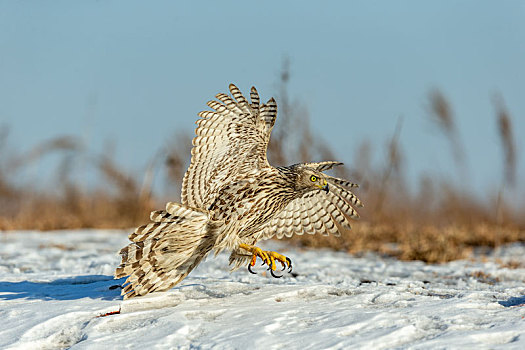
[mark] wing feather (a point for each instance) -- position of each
(344, 192)
(315, 212)
(254, 96)
(322, 166)
(230, 140)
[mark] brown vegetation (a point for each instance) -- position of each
(26, 207)
(437, 222)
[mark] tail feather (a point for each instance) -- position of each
(165, 251)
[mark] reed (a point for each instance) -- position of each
(437, 221)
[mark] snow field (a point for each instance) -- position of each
(54, 285)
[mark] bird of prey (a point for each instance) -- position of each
(231, 198)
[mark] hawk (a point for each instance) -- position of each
(231, 198)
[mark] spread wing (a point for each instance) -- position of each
(326, 213)
(230, 140)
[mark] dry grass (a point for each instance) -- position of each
(120, 203)
(435, 222)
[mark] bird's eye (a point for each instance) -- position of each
(313, 178)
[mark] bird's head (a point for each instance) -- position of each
(310, 179)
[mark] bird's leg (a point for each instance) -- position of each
(268, 257)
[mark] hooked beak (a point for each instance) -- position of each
(325, 187)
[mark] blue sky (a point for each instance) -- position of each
(136, 73)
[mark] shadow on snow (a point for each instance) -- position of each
(71, 288)
(514, 301)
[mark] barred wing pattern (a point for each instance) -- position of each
(323, 166)
(164, 251)
(317, 212)
(230, 140)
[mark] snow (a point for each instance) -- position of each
(54, 285)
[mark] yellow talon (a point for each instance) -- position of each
(254, 259)
(272, 263)
(280, 258)
(268, 257)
